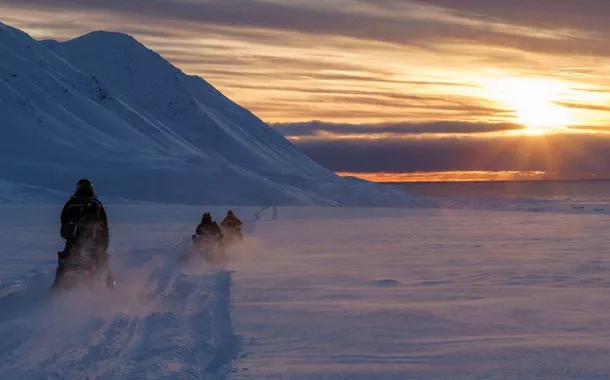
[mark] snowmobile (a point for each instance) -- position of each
(208, 247)
(82, 266)
(83, 270)
(232, 234)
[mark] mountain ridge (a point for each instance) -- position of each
(105, 106)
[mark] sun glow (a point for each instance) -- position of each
(449, 176)
(533, 101)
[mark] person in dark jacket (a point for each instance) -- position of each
(208, 228)
(83, 222)
(208, 239)
(232, 225)
(230, 221)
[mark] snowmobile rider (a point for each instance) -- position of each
(232, 223)
(208, 228)
(83, 221)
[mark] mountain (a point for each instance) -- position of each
(104, 106)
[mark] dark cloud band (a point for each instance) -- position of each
(316, 127)
(567, 154)
(472, 21)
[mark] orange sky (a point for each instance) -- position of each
(465, 176)
(448, 65)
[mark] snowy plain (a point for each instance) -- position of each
(319, 293)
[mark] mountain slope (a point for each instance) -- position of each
(104, 106)
(197, 111)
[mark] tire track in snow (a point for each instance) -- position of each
(227, 343)
(180, 330)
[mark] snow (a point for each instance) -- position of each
(324, 293)
(105, 107)
(427, 294)
(166, 321)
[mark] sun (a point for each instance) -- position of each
(533, 101)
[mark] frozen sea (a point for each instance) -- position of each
(559, 195)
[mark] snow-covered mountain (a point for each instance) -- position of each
(105, 107)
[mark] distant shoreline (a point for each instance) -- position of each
(499, 181)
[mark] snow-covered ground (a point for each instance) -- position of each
(320, 293)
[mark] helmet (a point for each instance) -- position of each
(206, 217)
(230, 212)
(84, 189)
(84, 184)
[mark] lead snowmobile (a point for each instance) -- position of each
(84, 228)
(82, 269)
(83, 264)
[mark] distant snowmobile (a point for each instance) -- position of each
(232, 234)
(231, 228)
(207, 242)
(208, 247)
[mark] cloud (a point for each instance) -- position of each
(591, 107)
(292, 130)
(440, 147)
(411, 23)
(558, 14)
(351, 60)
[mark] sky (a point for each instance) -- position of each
(388, 89)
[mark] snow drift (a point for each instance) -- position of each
(106, 107)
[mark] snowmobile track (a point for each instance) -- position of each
(181, 329)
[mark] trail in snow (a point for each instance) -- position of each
(163, 322)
